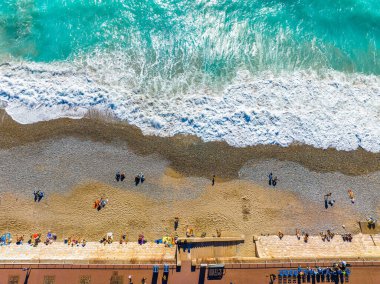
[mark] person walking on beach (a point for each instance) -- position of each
(122, 176)
(327, 197)
(40, 194)
(36, 195)
(137, 180)
(270, 178)
(274, 181)
(142, 178)
(213, 180)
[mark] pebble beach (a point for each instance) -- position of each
(74, 163)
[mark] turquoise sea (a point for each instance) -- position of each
(211, 36)
(120, 51)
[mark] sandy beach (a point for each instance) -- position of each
(74, 163)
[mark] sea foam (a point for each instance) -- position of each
(323, 110)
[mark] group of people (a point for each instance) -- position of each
(72, 241)
(119, 176)
(298, 235)
(139, 179)
(50, 238)
(347, 237)
(327, 236)
(107, 239)
(38, 195)
(100, 203)
(272, 180)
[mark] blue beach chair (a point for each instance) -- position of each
(280, 276)
(295, 275)
(328, 275)
(290, 276)
(287, 276)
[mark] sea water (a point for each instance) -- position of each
(245, 72)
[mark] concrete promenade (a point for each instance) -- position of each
(362, 246)
(113, 263)
(92, 253)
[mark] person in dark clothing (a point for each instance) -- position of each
(270, 178)
(36, 195)
(40, 195)
(122, 176)
(137, 180)
(176, 223)
(274, 181)
(117, 176)
(213, 180)
(272, 278)
(142, 178)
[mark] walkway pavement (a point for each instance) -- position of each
(93, 252)
(362, 246)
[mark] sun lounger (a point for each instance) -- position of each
(328, 275)
(290, 276)
(280, 276)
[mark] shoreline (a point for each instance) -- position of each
(188, 155)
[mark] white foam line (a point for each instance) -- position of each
(336, 110)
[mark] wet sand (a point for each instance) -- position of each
(187, 154)
(74, 162)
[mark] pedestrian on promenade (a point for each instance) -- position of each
(117, 176)
(270, 178)
(213, 180)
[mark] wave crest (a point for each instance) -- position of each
(323, 110)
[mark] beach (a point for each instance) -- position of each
(74, 163)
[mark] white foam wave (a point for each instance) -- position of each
(330, 110)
